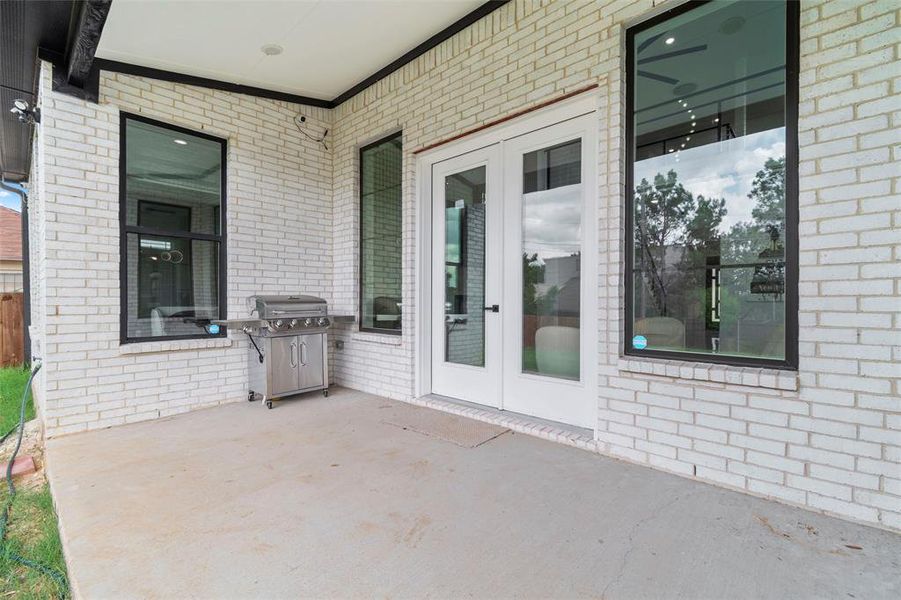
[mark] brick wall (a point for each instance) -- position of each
(278, 203)
(826, 437)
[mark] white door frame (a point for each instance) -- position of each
(570, 108)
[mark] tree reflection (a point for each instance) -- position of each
(692, 267)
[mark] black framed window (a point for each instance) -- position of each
(172, 223)
(381, 236)
(711, 184)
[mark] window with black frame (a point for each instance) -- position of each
(380, 236)
(172, 207)
(710, 230)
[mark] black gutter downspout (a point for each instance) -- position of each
(26, 270)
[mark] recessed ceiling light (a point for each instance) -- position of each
(716, 120)
(684, 89)
(180, 142)
(271, 49)
(732, 25)
(693, 123)
(669, 41)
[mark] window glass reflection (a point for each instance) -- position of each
(464, 264)
(380, 235)
(174, 204)
(708, 205)
(552, 260)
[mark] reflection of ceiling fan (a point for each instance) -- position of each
(643, 61)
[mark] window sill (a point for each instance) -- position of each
(385, 339)
(173, 346)
(775, 379)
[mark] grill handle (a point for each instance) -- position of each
(252, 341)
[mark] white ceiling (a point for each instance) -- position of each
(329, 45)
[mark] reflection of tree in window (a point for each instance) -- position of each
(708, 118)
(680, 250)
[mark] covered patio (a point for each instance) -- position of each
(359, 496)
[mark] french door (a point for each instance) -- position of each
(466, 281)
(514, 304)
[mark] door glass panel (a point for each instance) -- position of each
(551, 260)
(464, 267)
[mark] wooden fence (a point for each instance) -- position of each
(12, 329)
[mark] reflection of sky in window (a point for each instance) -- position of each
(552, 221)
(10, 199)
(721, 170)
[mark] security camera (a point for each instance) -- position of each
(25, 113)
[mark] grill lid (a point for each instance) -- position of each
(276, 307)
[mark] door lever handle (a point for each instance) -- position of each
(493, 308)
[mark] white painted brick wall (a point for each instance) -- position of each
(765, 432)
(827, 437)
(808, 445)
(279, 212)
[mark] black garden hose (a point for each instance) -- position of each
(59, 578)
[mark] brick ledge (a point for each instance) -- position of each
(385, 339)
(173, 346)
(513, 421)
(775, 379)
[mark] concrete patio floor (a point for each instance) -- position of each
(322, 498)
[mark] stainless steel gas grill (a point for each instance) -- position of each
(288, 352)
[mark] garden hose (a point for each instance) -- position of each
(58, 577)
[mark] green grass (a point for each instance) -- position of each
(33, 533)
(12, 384)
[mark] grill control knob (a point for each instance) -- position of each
(293, 322)
(278, 323)
(323, 321)
(308, 322)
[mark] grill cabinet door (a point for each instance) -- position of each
(311, 360)
(284, 365)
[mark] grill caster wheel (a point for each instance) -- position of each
(269, 404)
(251, 396)
(325, 393)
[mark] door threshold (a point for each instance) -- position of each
(570, 435)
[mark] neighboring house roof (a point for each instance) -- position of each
(10, 234)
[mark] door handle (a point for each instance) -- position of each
(293, 354)
(303, 347)
(493, 308)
